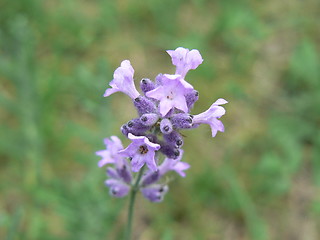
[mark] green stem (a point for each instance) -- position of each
(133, 193)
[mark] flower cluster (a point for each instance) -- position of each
(163, 111)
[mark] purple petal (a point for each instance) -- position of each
(137, 162)
(123, 81)
(185, 60)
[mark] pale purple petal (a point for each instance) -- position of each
(165, 106)
(110, 154)
(106, 158)
(220, 101)
(156, 93)
(123, 81)
(180, 103)
(137, 162)
(180, 167)
(142, 151)
(185, 60)
(150, 161)
(211, 117)
(171, 94)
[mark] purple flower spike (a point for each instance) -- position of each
(123, 81)
(142, 151)
(154, 193)
(185, 60)
(117, 187)
(110, 155)
(171, 94)
(211, 117)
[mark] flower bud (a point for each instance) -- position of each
(149, 119)
(124, 130)
(165, 126)
(182, 121)
(191, 98)
(174, 138)
(147, 85)
(125, 174)
(136, 127)
(170, 150)
(150, 178)
(111, 172)
(144, 105)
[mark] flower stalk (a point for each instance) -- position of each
(132, 198)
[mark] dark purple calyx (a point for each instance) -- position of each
(144, 105)
(182, 121)
(135, 127)
(149, 119)
(170, 150)
(146, 85)
(166, 126)
(150, 178)
(174, 138)
(125, 174)
(191, 98)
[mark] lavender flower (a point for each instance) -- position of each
(211, 117)
(185, 60)
(123, 81)
(171, 93)
(110, 155)
(142, 151)
(163, 111)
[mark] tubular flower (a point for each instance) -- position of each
(123, 81)
(184, 60)
(211, 117)
(171, 94)
(141, 151)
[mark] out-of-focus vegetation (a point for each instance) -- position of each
(259, 180)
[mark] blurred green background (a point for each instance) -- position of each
(259, 180)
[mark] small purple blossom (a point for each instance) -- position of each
(184, 60)
(123, 81)
(110, 154)
(211, 117)
(171, 93)
(142, 151)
